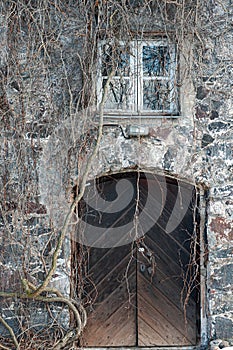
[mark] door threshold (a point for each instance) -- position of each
(190, 347)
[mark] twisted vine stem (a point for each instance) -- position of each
(33, 292)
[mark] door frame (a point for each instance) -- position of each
(202, 207)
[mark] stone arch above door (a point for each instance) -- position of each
(165, 151)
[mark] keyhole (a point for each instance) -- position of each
(142, 267)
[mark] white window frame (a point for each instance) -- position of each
(136, 78)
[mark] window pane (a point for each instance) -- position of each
(117, 59)
(156, 60)
(156, 95)
(119, 94)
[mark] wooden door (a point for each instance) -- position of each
(144, 293)
(112, 315)
(167, 300)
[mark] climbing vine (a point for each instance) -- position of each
(48, 70)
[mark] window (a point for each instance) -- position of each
(144, 81)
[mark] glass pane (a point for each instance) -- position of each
(115, 58)
(119, 94)
(156, 60)
(156, 95)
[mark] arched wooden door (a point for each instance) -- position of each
(145, 292)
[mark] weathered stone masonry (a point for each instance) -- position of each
(196, 147)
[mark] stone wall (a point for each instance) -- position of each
(44, 151)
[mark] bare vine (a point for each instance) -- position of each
(45, 46)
